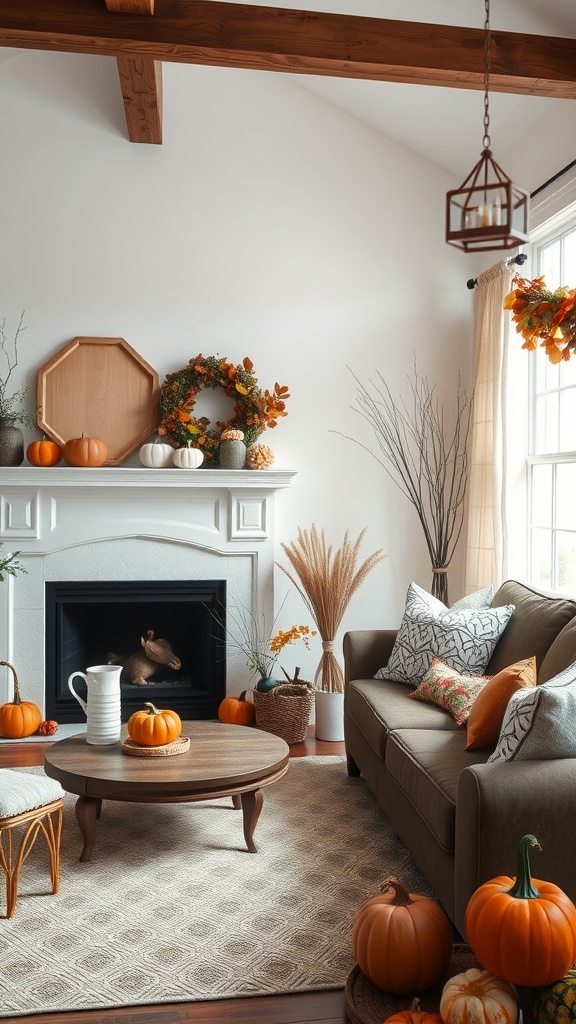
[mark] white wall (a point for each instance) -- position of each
(268, 224)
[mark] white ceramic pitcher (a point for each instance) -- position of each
(102, 707)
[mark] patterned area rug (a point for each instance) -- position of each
(172, 908)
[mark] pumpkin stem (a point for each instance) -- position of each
(415, 1010)
(17, 698)
(242, 695)
(523, 888)
(401, 894)
(152, 709)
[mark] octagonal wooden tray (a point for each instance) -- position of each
(102, 388)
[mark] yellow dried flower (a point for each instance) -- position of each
(259, 456)
(232, 435)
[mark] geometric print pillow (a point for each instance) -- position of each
(464, 638)
(540, 723)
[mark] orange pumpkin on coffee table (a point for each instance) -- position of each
(154, 728)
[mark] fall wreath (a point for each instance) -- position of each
(254, 409)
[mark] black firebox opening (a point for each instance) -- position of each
(88, 622)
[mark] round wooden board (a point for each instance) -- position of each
(179, 746)
(368, 1004)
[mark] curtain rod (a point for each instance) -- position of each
(519, 259)
(552, 179)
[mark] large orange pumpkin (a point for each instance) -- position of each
(43, 453)
(154, 728)
(401, 941)
(522, 930)
(85, 451)
(414, 1016)
(21, 717)
(236, 710)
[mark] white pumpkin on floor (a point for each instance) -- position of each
(477, 996)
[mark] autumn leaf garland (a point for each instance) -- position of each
(543, 317)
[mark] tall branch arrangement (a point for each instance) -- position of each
(326, 580)
(426, 457)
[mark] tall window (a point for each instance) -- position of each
(552, 441)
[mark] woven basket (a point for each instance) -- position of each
(285, 710)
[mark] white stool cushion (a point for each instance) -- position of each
(21, 791)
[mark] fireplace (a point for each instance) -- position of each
(93, 623)
(112, 531)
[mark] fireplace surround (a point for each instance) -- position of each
(114, 525)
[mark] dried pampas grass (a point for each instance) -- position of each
(326, 580)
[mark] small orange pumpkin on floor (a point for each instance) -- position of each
(414, 1016)
(154, 728)
(236, 710)
(19, 718)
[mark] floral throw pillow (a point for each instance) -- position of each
(449, 689)
(465, 638)
(539, 722)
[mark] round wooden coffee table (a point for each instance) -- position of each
(223, 760)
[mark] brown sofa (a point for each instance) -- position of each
(460, 817)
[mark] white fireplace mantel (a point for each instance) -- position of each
(68, 522)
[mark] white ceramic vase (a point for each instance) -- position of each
(329, 712)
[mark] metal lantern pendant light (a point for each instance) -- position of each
(488, 211)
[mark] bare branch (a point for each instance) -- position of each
(424, 457)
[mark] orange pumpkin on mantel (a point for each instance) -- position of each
(44, 453)
(19, 718)
(85, 451)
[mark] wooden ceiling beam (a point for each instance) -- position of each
(140, 82)
(295, 41)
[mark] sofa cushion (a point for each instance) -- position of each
(488, 710)
(449, 689)
(535, 624)
(540, 723)
(426, 765)
(378, 707)
(560, 654)
(465, 638)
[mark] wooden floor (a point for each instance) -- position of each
(298, 1008)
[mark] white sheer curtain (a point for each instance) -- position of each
(486, 507)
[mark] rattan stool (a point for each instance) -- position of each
(34, 802)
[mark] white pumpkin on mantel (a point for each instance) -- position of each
(156, 455)
(188, 457)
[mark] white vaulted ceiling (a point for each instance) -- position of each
(443, 124)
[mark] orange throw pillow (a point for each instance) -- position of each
(487, 712)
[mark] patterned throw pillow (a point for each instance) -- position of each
(487, 712)
(464, 638)
(539, 723)
(444, 686)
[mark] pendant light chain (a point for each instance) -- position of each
(488, 212)
(486, 140)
